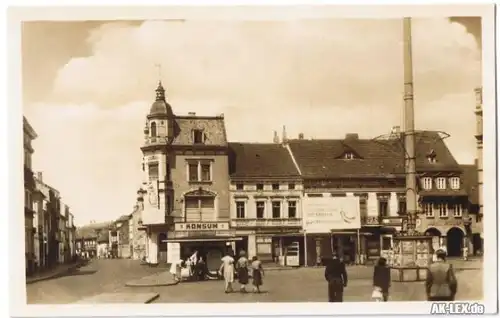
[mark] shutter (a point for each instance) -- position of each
(207, 209)
(192, 210)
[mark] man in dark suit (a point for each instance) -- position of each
(336, 276)
(441, 282)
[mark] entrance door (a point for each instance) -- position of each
(454, 242)
(292, 254)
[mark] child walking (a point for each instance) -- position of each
(257, 274)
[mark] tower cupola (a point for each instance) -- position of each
(160, 107)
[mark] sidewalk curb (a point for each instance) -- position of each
(131, 284)
(152, 299)
(52, 276)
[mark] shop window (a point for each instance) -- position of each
(276, 186)
(260, 207)
(240, 210)
(260, 186)
(455, 183)
(291, 186)
(292, 209)
(441, 183)
(386, 243)
(239, 186)
(276, 209)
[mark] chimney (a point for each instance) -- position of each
(301, 136)
(276, 139)
(39, 176)
(351, 136)
(192, 114)
(284, 139)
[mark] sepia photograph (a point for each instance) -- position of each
(229, 155)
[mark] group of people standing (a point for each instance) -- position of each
(440, 284)
(244, 269)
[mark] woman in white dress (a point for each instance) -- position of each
(227, 271)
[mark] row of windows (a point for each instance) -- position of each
(440, 183)
(260, 209)
(383, 207)
(442, 209)
(261, 186)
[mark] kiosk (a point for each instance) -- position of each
(411, 257)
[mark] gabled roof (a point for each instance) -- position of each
(260, 160)
(213, 128)
(470, 182)
(378, 158)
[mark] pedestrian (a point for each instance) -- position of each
(226, 270)
(441, 282)
(175, 270)
(336, 276)
(382, 278)
(465, 253)
(242, 270)
(257, 274)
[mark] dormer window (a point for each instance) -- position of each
(349, 156)
(427, 183)
(198, 136)
(431, 156)
(455, 183)
(441, 183)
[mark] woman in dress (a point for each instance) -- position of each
(242, 270)
(227, 271)
(257, 274)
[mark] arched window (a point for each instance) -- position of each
(153, 129)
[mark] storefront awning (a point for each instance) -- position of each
(203, 239)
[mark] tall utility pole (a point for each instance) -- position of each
(409, 130)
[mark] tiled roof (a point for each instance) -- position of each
(378, 158)
(470, 182)
(260, 160)
(213, 128)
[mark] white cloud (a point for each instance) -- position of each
(324, 78)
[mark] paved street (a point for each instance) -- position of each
(100, 276)
(301, 285)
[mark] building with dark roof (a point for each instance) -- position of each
(265, 200)
(372, 170)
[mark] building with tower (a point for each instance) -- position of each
(186, 184)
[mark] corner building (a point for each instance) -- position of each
(186, 185)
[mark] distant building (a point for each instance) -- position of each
(30, 210)
(479, 141)
(119, 242)
(93, 238)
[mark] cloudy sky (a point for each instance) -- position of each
(88, 86)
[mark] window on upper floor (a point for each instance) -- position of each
(402, 207)
(291, 186)
(205, 172)
(455, 183)
(363, 206)
(193, 171)
(44, 205)
(153, 129)
(240, 209)
(276, 186)
(292, 209)
(28, 203)
(349, 155)
(239, 186)
(440, 209)
(383, 208)
(276, 205)
(198, 136)
(427, 209)
(153, 171)
(199, 171)
(427, 183)
(260, 209)
(456, 209)
(441, 183)
(260, 186)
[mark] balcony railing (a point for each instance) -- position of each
(371, 220)
(249, 223)
(156, 140)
